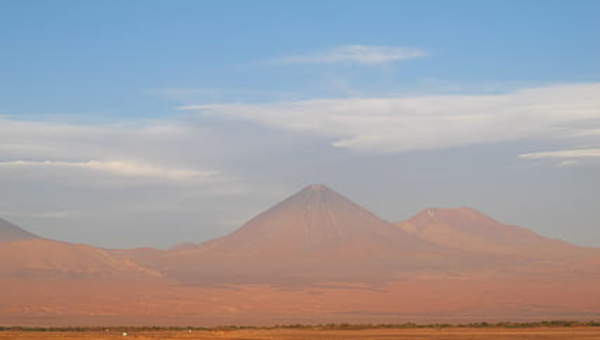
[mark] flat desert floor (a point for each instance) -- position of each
(572, 333)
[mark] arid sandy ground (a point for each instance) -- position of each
(571, 333)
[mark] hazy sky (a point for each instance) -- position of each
(136, 123)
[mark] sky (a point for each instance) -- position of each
(150, 123)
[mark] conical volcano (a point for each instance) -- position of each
(313, 220)
(10, 232)
(314, 235)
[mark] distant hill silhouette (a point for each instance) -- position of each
(25, 255)
(10, 232)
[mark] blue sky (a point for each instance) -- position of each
(223, 107)
(112, 57)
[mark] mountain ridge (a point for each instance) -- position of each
(314, 257)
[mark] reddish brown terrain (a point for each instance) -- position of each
(535, 333)
(467, 229)
(316, 257)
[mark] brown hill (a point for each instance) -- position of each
(25, 255)
(40, 258)
(314, 235)
(469, 230)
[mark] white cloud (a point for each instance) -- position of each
(117, 154)
(568, 158)
(429, 122)
(119, 168)
(569, 162)
(355, 54)
(575, 153)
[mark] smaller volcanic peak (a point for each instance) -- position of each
(470, 230)
(10, 232)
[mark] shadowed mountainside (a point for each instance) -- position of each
(10, 232)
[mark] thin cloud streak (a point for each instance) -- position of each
(355, 54)
(119, 168)
(117, 154)
(575, 153)
(569, 163)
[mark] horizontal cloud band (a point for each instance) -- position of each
(121, 168)
(577, 153)
(429, 122)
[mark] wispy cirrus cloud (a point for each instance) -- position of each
(396, 124)
(119, 168)
(567, 158)
(569, 162)
(575, 153)
(355, 54)
(121, 152)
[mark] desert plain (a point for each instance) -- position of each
(562, 333)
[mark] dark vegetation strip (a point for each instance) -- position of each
(329, 326)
